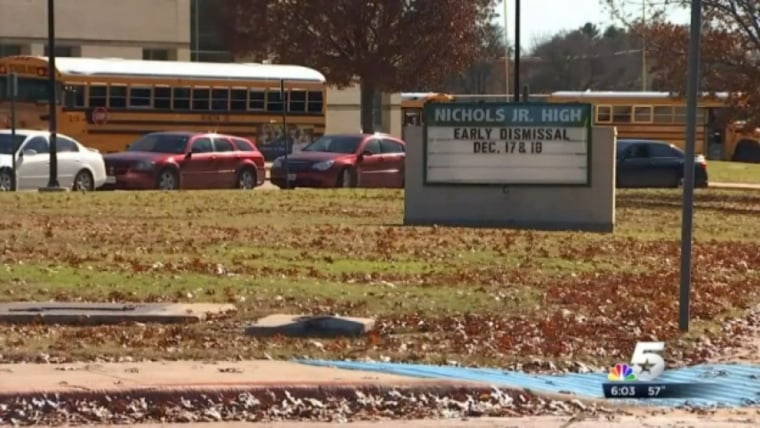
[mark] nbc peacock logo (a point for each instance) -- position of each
(622, 373)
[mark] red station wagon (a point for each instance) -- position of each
(343, 160)
(186, 160)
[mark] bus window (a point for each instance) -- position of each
(663, 114)
(275, 101)
(297, 101)
(220, 99)
(201, 99)
(75, 96)
(642, 114)
(238, 99)
(621, 114)
(181, 98)
(603, 114)
(141, 97)
(315, 102)
(257, 100)
(98, 95)
(701, 117)
(679, 114)
(162, 98)
(117, 96)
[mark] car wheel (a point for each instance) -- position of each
(167, 180)
(6, 180)
(83, 182)
(347, 178)
(246, 179)
(677, 181)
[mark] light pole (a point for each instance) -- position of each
(516, 92)
(643, 45)
(52, 99)
(687, 219)
(506, 53)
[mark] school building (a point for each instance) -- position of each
(182, 30)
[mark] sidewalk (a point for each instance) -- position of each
(23, 379)
(736, 186)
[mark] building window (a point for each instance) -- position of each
(63, 51)
(156, 54)
(9, 50)
(205, 43)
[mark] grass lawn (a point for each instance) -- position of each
(733, 172)
(475, 296)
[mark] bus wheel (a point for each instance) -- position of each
(167, 180)
(246, 179)
(6, 180)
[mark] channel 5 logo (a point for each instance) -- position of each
(646, 364)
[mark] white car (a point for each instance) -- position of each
(79, 167)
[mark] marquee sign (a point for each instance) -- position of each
(507, 143)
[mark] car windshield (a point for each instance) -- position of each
(335, 144)
(160, 143)
(6, 145)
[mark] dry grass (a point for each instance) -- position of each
(472, 295)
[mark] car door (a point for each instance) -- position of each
(369, 164)
(69, 160)
(393, 157)
(634, 166)
(34, 168)
(199, 166)
(666, 165)
(227, 159)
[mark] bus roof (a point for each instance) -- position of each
(417, 95)
(183, 69)
(626, 94)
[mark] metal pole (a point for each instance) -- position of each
(53, 179)
(688, 171)
(643, 45)
(285, 131)
(506, 52)
(13, 92)
(197, 38)
(517, 51)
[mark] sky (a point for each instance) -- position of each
(546, 17)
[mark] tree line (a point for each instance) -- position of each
(454, 46)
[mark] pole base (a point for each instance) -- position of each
(52, 189)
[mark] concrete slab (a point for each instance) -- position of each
(309, 326)
(107, 313)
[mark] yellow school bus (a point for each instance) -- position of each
(412, 104)
(107, 103)
(661, 116)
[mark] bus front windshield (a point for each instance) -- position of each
(29, 89)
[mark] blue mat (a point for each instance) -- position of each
(732, 385)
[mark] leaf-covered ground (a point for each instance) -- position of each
(441, 295)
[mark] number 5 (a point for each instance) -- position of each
(646, 353)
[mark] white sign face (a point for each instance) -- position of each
(500, 143)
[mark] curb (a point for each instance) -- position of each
(269, 392)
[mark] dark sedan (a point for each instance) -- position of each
(650, 163)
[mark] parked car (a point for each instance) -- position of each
(650, 163)
(79, 167)
(343, 160)
(186, 160)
